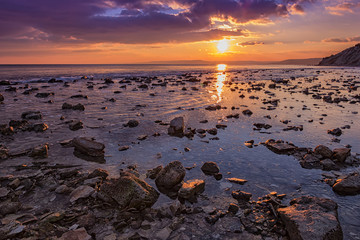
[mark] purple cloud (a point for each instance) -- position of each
(342, 40)
(130, 21)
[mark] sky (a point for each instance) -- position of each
(140, 31)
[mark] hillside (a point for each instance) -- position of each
(348, 57)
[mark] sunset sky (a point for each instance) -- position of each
(137, 31)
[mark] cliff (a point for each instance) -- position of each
(348, 57)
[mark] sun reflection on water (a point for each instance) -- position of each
(220, 79)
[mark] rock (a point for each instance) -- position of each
(153, 173)
(4, 152)
(4, 192)
(44, 95)
(311, 218)
(191, 187)
(132, 123)
(309, 161)
(88, 147)
(76, 125)
(163, 234)
(279, 147)
(14, 183)
(323, 151)
(335, 132)
(124, 148)
(41, 127)
(212, 131)
(350, 185)
(247, 112)
(171, 176)
(35, 115)
(241, 195)
(348, 57)
(78, 234)
(233, 208)
(340, 154)
(63, 189)
(78, 106)
(1, 98)
(40, 151)
(9, 207)
(81, 192)
(176, 127)
(237, 180)
(328, 165)
(130, 191)
(9, 231)
(210, 168)
(99, 173)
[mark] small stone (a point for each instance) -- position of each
(78, 234)
(40, 152)
(335, 132)
(241, 195)
(76, 125)
(176, 127)
(63, 189)
(4, 192)
(237, 180)
(340, 154)
(191, 187)
(132, 123)
(124, 148)
(233, 208)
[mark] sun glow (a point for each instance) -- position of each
(223, 45)
(221, 67)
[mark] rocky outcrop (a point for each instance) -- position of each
(348, 57)
(130, 192)
(311, 218)
(350, 185)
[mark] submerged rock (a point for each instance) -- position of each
(335, 132)
(176, 127)
(76, 125)
(130, 192)
(350, 185)
(311, 218)
(35, 115)
(279, 146)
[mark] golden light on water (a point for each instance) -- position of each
(220, 79)
(223, 45)
(221, 67)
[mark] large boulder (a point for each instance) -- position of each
(311, 218)
(350, 185)
(176, 127)
(130, 192)
(171, 176)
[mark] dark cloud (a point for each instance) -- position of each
(250, 43)
(130, 21)
(342, 40)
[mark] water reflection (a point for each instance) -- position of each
(221, 77)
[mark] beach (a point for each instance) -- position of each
(229, 114)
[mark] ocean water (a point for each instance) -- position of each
(265, 171)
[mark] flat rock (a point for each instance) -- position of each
(88, 147)
(350, 185)
(78, 234)
(130, 191)
(40, 151)
(191, 187)
(311, 218)
(280, 147)
(35, 115)
(81, 192)
(237, 180)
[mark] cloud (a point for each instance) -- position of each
(342, 8)
(249, 43)
(342, 40)
(136, 21)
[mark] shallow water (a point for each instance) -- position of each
(264, 170)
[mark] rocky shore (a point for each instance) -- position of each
(119, 159)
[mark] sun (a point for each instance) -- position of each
(223, 45)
